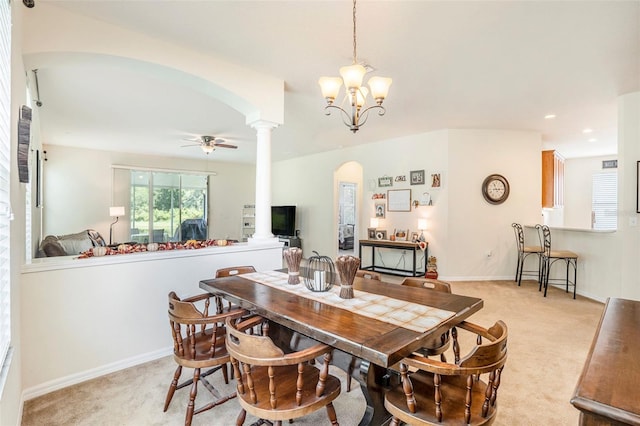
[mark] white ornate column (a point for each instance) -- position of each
(263, 183)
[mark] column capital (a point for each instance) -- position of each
(263, 124)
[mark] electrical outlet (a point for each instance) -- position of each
(633, 221)
(489, 253)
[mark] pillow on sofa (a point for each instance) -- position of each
(51, 247)
(75, 243)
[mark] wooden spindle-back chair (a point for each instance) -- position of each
(440, 393)
(276, 386)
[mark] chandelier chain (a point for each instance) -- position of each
(354, 32)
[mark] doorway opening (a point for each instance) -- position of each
(346, 217)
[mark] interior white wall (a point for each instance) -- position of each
(93, 316)
(481, 239)
(462, 227)
(78, 190)
(578, 189)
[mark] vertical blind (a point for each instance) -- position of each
(604, 201)
(5, 151)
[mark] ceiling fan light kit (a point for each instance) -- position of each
(356, 94)
(208, 144)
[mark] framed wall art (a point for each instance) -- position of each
(399, 200)
(417, 177)
(436, 180)
(385, 181)
(380, 207)
(371, 233)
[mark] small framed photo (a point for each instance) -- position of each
(401, 234)
(371, 233)
(380, 210)
(417, 177)
(385, 181)
(381, 234)
(414, 237)
(436, 180)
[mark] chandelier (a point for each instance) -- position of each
(356, 94)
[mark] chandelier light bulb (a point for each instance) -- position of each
(330, 87)
(353, 76)
(379, 88)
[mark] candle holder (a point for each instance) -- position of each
(320, 274)
(293, 256)
(347, 267)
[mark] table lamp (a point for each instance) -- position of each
(114, 212)
(422, 225)
(374, 223)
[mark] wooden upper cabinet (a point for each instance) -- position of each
(552, 179)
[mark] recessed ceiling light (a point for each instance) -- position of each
(587, 130)
(549, 116)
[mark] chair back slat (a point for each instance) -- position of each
(234, 270)
(428, 283)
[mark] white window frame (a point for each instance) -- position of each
(5, 180)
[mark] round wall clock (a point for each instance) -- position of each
(495, 189)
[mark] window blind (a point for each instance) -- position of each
(5, 154)
(604, 201)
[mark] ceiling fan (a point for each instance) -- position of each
(210, 143)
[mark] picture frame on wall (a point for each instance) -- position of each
(417, 177)
(436, 180)
(380, 210)
(385, 181)
(399, 200)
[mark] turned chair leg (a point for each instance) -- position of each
(331, 413)
(192, 397)
(172, 387)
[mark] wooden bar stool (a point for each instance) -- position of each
(549, 257)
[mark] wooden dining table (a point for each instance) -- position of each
(377, 343)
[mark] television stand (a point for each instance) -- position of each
(290, 241)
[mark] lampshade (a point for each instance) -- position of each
(373, 222)
(330, 87)
(352, 75)
(116, 211)
(379, 87)
(208, 149)
(422, 224)
(361, 95)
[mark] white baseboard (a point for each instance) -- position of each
(73, 379)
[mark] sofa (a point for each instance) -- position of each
(70, 244)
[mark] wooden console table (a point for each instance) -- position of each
(415, 271)
(607, 392)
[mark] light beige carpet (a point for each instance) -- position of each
(548, 342)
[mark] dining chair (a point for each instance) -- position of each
(275, 386)
(465, 392)
(523, 252)
(363, 273)
(437, 345)
(549, 257)
(234, 270)
(198, 343)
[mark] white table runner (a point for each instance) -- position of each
(412, 316)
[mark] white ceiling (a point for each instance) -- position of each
(454, 64)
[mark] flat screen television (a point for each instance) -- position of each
(283, 221)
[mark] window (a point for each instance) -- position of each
(604, 201)
(5, 151)
(168, 206)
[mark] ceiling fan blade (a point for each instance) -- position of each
(191, 144)
(225, 145)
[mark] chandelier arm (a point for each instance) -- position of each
(381, 112)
